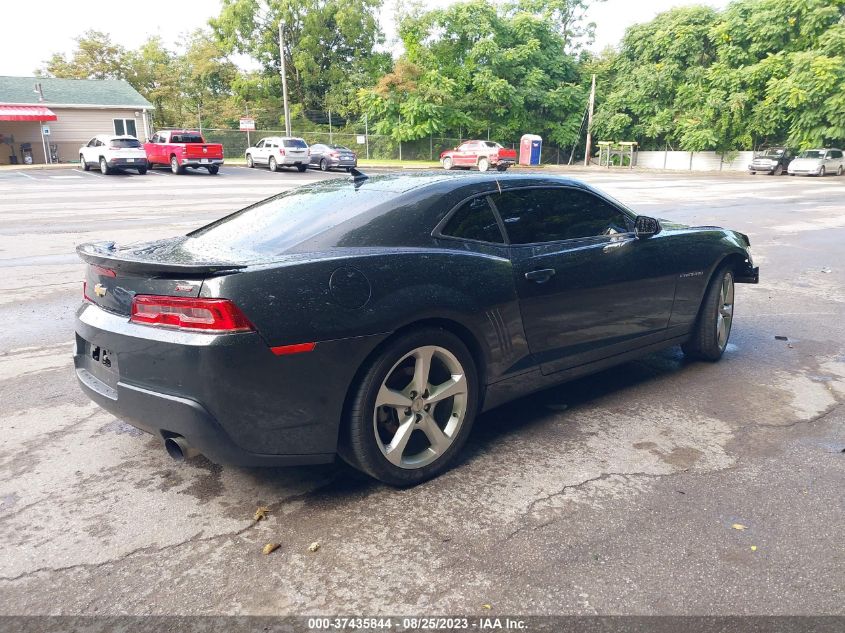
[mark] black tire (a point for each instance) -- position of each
(324, 164)
(359, 444)
(272, 164)
(213, 169)
(301, 168)
(175, 167)
(249, 162)
(704, 343)
(501, 167)
(349, 169)
(104, 167)
(822, 172)
(839, 171)
(751, 172)
(778, 170)
(142, 171)
(83, 164)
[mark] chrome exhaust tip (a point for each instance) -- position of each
(179, 449)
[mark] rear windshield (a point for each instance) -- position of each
(340, 148)
(279, 223)
(186, 138)
(294, 142)
(118, 143)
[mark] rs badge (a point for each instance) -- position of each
(100, 290)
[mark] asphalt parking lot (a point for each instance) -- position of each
(658, 487)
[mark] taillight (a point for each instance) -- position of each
(281, 152)
(334, 154)
(187, 313)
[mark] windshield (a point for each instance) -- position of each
(773, 153)
(812, 153)
(294, 142)
(279, 223)
(119, 143)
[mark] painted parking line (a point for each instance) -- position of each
(20, 173)
(65, 177)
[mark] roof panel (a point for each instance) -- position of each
(84, 92)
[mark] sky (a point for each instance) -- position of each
(35, 30)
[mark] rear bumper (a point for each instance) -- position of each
(229, 396)
(198, 162)
(128, 163)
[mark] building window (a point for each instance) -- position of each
(125, 126)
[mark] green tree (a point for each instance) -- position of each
(484, 67)
(328, 44)
(95, 57)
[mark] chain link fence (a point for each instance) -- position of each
(373, 146)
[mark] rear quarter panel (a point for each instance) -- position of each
(362, 294)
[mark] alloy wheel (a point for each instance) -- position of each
(272, 164)
(249, 162)
(104, 167)
(324, 166)
(725, 311)
(420, 407)
(447, 163)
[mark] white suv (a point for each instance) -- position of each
(111, 152)
(818, 162)
(279, 151)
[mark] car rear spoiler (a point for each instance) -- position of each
(106, 254)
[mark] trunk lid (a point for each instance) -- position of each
(114, 275)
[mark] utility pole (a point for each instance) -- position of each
(248, 143)
(590, 123)
(330, 126)
(284, 76)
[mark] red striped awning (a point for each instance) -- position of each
(26, 113)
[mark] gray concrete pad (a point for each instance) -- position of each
(615, 494)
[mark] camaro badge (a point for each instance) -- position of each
(100, 290)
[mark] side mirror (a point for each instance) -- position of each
(646, 227)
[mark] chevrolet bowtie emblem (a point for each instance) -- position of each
(100, 290)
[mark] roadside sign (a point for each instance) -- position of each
(247, 124)
(45, 130)
(360, 139)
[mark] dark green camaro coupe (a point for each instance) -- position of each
(376, 317)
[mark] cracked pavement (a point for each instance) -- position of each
(612, 494)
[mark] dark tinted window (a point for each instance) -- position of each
(186, 138)
(550, 215)
(294, 142)
(474, 221)
(836, 154)
(286, 220)
(117, 143)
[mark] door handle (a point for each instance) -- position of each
(540, 276)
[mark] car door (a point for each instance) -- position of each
(88, 151)
(259, 152)
(463, 155)
(316, 154)
(588, 287)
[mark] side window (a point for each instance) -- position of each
(837, 153)
(92, 142)
(551, 215)
(260, 143)
(474, 221)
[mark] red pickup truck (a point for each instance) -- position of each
(481, 154)
(183, 148)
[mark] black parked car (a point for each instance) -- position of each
(376, 317)
(773, 161)
(328, 156)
